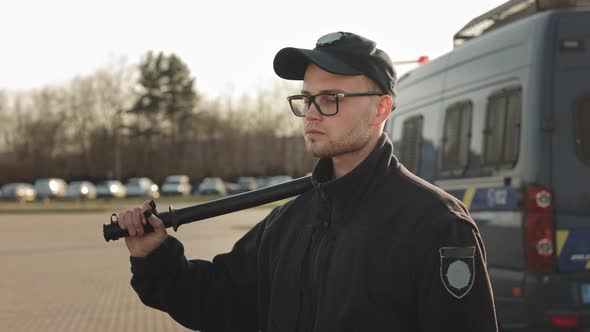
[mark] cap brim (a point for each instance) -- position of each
(290, 63)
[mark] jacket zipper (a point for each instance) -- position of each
(315, 271)
(314, 281)
(316, 257)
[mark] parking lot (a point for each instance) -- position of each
(58, 273)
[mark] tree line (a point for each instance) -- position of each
(146, 120)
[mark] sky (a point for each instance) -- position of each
(229, 46)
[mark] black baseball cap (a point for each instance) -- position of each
(342, 53)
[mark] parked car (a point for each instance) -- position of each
(212, 186)
(246, 183)
(110, 188)
(142, 187)
(231, 188)
(81, 190)
(51, 188)
(279, 179)
(262, 181)
(18, 191)
(176, 185)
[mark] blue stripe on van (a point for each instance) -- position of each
(573, 249)
(491, 198)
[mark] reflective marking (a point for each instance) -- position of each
(588, 265)
(561, 238)
(508, 219)
(468, 198)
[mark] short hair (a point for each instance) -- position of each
(373, 86)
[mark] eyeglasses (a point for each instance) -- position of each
(325, 103)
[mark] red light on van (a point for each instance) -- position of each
(517, 291)
(538, 199)
(538, 229)
(565, 321)
(423, 59)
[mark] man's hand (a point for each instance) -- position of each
(138, 243)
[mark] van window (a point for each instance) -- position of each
(456, 136)
(411, 143)
(502, 130)
(582, 124)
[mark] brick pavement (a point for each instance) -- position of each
(58, 274)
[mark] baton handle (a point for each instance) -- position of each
(112, 231)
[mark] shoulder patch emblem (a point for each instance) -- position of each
(457, 269)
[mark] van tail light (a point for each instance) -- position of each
(565, 321)
(538, 229)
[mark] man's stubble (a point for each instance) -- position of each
(353, 140)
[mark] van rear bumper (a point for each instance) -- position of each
(550, 295)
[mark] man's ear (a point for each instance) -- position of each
(383, 109)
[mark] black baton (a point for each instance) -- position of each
(176, 217)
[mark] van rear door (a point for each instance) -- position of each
(570, 175)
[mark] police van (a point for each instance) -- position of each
(503, 123)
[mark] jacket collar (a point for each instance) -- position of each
(350, 188)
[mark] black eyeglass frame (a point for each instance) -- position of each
(336, 96)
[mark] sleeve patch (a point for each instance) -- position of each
(457, 269)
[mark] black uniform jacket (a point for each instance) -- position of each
(378, 249)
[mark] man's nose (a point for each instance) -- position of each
(313, 113)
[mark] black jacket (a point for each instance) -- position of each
(378, 249)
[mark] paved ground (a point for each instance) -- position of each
(58, 274)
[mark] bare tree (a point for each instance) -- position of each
(84, 117)
(114, 87)
(5, 122)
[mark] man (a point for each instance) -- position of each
(371, 248)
